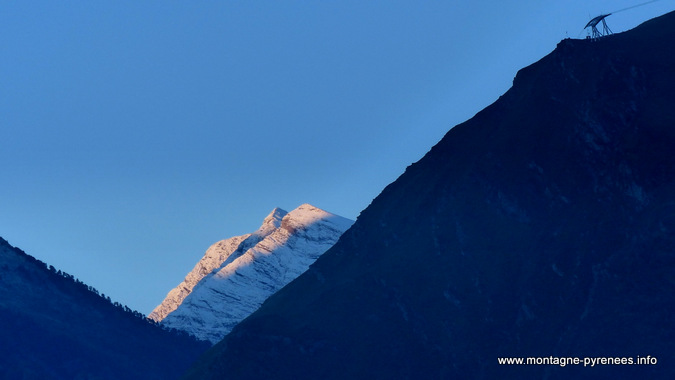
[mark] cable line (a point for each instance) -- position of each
(634, 6)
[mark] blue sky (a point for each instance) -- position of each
(137, 133)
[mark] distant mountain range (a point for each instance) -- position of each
(543, 226)
(53, 326)
(236, 275)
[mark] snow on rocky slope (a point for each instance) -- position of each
(236, 275)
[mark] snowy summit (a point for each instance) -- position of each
(237, 274)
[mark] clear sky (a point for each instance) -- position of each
(137, 133)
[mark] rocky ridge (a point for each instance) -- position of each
(237, 274)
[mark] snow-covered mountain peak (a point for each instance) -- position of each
(273, 220)
(236, 275)
(307, 215)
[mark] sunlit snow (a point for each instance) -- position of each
(236, 275)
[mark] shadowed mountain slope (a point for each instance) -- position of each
(545, 225)
(54, 327)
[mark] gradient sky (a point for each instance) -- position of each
(137, 133)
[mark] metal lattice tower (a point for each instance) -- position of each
(593, 24)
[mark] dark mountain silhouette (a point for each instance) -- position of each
(544, 226)
(55, 327)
